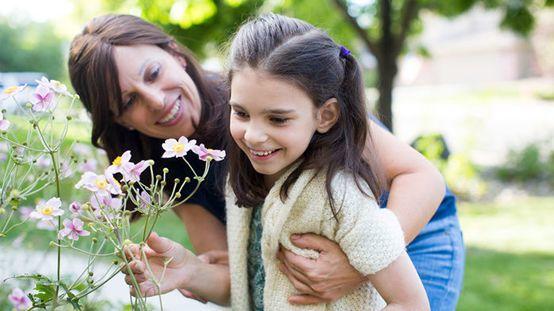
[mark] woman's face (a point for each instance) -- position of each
(158, 97)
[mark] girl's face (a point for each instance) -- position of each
(159, 98)
(272, 121)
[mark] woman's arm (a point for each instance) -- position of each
(416, 190)
(205, 231)
(400, 286)
(416, 187)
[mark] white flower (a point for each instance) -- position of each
(174, 148)
(99, 183)
(46, 211)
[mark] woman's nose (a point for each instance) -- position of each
(154, 99)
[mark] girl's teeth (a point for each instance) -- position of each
(172, 114)
(261, 154)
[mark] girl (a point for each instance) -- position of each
(299, 126)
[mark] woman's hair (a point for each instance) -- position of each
(94, 77)
(297, 52)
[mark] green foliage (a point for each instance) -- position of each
(526, 164)
(461, 175)
(31, 47)
(199, 24)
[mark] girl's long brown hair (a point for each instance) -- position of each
(299, 53)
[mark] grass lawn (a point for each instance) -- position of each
(510, 255)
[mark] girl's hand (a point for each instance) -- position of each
(211, 257)
(322, 280)
(160, 254)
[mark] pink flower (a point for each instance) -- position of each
(46, 211)
(11, 91)
(174, 148)
(25, 212)
(88, 165)
(19, 300)
(73, 229)
(105, 201)
(75, 208)
(44, 162)
(54, 85)
(204, 153)
(144, 202)
(121, 164)
(136, 170)
(4, 124)
(43, 99)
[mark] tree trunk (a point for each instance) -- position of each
(387, 72)
(386, 64)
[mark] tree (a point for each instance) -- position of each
(31, 47)
(199, 24)
(384, 26)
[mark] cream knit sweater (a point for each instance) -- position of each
(371, 237)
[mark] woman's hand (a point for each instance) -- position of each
(322, 280)
(215, 257)
(160, 254)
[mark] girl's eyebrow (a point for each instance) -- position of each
(274, 111)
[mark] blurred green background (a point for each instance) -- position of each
(468, 83)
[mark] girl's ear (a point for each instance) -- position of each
(327, 115)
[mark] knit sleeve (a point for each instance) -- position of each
(371, 237)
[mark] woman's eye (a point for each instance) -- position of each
(129, 102)
(154, 74)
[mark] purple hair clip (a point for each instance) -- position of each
(344, 52)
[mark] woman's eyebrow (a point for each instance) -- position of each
(140, 73)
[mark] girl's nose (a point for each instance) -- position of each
(255, 134)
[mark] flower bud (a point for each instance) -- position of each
(2, 211)
(127, 242)
(163, 183)
(187, 180)
(150, 162)
(178, 195)
(68, 118)
(94, 240)
(90, 273)
(165, 170)
(176, 181)
(158, 177)
(115, 262)
(52, 244)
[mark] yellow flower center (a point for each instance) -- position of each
(10, 90)
(47, 210)
(101, 183)
(178, 147)
(117, 161)
(56, 83)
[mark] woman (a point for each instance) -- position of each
(141, 87)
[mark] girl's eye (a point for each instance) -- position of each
(240, 114)
(279, 120)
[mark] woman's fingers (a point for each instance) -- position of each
(305, 300)
(298, 285)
